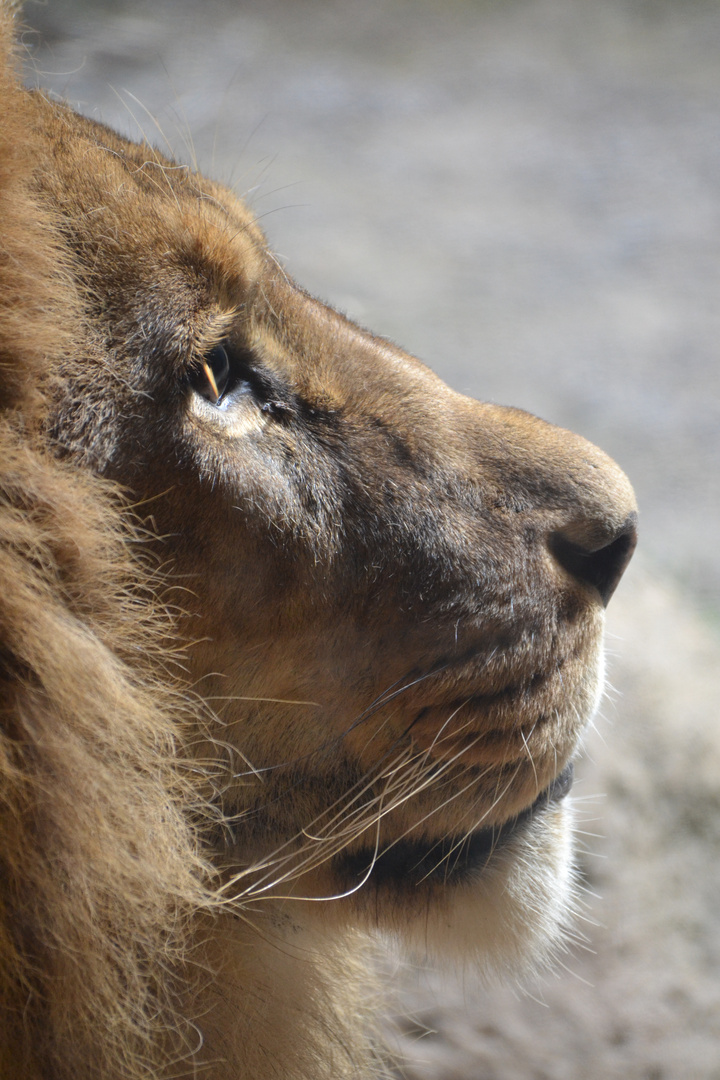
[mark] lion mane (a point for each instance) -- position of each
(295, 643)
(94, 897)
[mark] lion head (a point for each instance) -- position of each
(310, 637)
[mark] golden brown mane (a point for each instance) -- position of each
(94, 894)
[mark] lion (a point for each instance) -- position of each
(298, 644)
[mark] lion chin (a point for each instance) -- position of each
(297, 644)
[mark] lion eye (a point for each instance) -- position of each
(211, 377)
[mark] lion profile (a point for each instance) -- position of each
(297, 643)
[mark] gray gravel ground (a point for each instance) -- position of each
(526, 194)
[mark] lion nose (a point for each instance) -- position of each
(595, 562)
(586, 508)
(575, 503)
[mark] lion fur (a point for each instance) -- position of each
(325, 626)
(94, 897)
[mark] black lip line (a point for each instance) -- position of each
(451, 859)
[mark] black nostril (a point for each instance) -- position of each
(601, 567)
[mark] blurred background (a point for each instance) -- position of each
(525, 194)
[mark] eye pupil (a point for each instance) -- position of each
(211, 381)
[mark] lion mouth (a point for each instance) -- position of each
(450, 860)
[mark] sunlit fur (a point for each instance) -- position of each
(279, 669)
